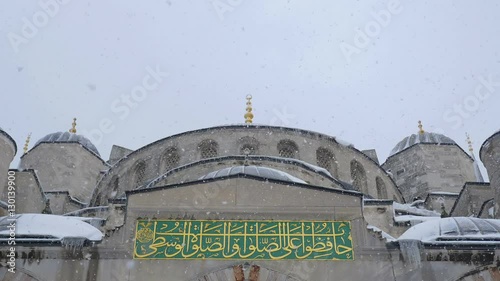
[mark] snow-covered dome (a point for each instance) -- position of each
(69, 137)
(453, 230)
(264, 172)
(425, 137)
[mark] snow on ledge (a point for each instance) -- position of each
(455, 230)
(410, 209)
(49, 228)
(384, 234)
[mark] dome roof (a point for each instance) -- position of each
(2, 132)
(455, 229)
(69, 137)
(264, 172)
(425, 137)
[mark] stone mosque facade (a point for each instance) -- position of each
(249, 202)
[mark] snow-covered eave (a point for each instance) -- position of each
(410, 210)
(49, 228)
(50, 241)
(459, 242)
(308, 186)
(292, 161)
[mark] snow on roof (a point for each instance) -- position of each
(384, 234)
(444, 193)
(455, 230)
(425, 137)
(48, 228)
(413, 220)
(408, 208)
(264, 172)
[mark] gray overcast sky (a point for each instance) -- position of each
(364, 71)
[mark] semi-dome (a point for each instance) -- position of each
(264, 172)
(455, 229)
(422, 137)
(61, 137)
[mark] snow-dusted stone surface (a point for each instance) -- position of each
(456, 230)
(425, 137)
(264, 172)
(49, 228)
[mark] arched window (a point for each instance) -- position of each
(139, 174)
(208, 149)
(381, 189)
(248, 146)
(170, 159)
(358, 176)
(326, 160)
(115, 183)
(288, 149)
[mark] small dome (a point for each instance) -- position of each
(69, 137)
(424, 137)
(454, 229)
(264, 172)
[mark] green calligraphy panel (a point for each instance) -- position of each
(252, 240)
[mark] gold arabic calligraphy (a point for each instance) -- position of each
(270, 240)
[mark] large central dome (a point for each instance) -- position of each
(422, 137)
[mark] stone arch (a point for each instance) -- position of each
(139, 174)
(246, 271)
(490, 272)
(288, 149)
(20, 275)
(169, 159)
(326, 159)
(208, 149)
(358, 177)
(248, 146)
(381, 188)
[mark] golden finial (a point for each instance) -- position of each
(249, 114)
(27, 143)
(420, 127)
(73, 126)
(469, 141)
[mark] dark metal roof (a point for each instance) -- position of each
(68, 137)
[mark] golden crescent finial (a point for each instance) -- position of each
(420, 127)
(469, 142)
(27, 143)
(249, 114)
(73, 127)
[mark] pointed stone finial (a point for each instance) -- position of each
(249, 114)
(420, 127)
(27, 143)
(469, 142)
(73, 127)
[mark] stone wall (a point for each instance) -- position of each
(425, 168)
(65, 167)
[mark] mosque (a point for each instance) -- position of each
(249, 202)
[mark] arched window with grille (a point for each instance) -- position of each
(139, 174)
(248, 146)
(288, 149)
(170, 159)
(326, 160)
(208, 149)
(358, 176)
(381, 188)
